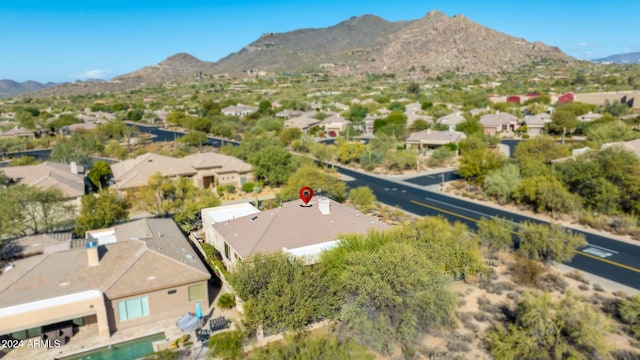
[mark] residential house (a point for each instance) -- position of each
(18, 132)
(206, 169)
(239, 110)
(131, 275)
(535, 123)
(303, 123)
(431, 139)
(589, 116)
(452, 120)
(497, 123)
(68, 178)
(413, 113)
(335, 123)
(294, 228)
(566, 98)
(287, 114)
(631, 145)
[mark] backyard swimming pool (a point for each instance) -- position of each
(131, 349)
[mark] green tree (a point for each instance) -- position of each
(31, 210)
(288, 135)
(548, 242)
(419, 125)
(322, 181)
(563, 122)
(476, 164)
(401, 159)
(100, 211)
(99, 173)
(194, 138)
(348, 151)
(24, 161)
(541, 148)
(501, 183)
(272, 164)
(629, 310)
(546, 193)
(357, 113)
(362, 197)
(496, 233)
(267, 284)
(544, 329)
(227, 345)
(79, 148)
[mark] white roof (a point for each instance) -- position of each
(229, 212)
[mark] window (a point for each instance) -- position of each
(171, 292)
(133, 308)
(197, 292)
(227, 251)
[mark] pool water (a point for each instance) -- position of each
(127, 350)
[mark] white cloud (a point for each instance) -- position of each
(92, 74)
(581, 45)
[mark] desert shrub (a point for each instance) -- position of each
(248, 187)
(227, 301)
(553, 281)
(626, 355)
(230, 188)
(227, 345)
(597, 287)
(480, 316)
(583, 287)
(526, 272)
(458, 346)
(577, 275)
(630, 313)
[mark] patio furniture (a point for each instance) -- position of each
(203, 335)
(218, 323)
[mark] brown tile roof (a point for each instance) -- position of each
(293, 226)
(498, 119)
(302, 122)
(135, 172)
(212, 160)
(149, 254)
(49, 174)
(435, 137)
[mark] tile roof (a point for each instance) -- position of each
(135, 172)
(149, 254)
(224, 163)
(435, 137)
(293, 226)
(302, 122)
(49, 174)
(452, 119)
(501, 118)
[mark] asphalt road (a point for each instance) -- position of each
(608, 258)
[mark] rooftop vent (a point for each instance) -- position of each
(8, 267)
(254, 218)
(64, 283)
(151, 277)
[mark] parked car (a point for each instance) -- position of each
(332, 133)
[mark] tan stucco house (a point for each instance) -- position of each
(69, 178)
(431, 139)
(303, 231)
(205, 169)
(123, 277)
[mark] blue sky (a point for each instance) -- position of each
(68, 40)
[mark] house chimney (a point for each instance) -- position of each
(74, 167)
(92, 253)
(324, 205)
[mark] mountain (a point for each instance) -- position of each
(10, 88)
(626, 58)
(369, 44)
(360, 45)
(178, 66)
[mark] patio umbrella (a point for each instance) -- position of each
(198, 311)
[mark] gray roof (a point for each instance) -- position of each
(49, 174)
(293, 226)
(452, 119)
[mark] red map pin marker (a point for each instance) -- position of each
(306, 194)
